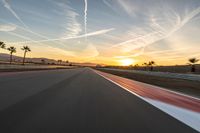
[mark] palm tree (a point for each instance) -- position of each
(145, 66)
(12, 50)
(60, 62)
(151, 63)
(192, 62)
(2, 45)
(25, 49)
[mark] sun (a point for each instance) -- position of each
(126, 62)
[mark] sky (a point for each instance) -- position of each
(112, 32)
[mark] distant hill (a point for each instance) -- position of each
(84, 64)
(6, 58)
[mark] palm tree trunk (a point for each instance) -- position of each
(151, 68)
(193, 68)
(10, 58)
(24, 57)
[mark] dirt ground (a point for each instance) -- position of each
(184, 86)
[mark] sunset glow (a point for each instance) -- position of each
(101, 31)
(126, 62)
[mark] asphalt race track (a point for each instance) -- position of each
(77, 101)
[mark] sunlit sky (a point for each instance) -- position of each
(104, 31)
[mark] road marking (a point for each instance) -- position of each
(186, 116)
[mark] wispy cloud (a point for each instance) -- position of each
(22, 37)
(174, 52)
(140, 27)
(157, 29)
(7, 27)
(71, 25)
(109, 5)
(89, 52)
(118, 6)
(143, 37)
(8, 7)
(25, 27)
(12, 27)
(100, 32)
(187, 18)
(127, 6)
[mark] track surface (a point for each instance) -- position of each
(76, 100)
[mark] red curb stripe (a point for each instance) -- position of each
(156, 93)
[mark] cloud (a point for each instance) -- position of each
(7, 5)
(7, 27)
(71, 25)
(134, 35)
(10, 27)
(187, 18)
(37, 34)
(100, 32)
(25, 27)
(22, 37)
(162, 24)
(109, 5)
(121, 5)
(89, 52)
(74, 27)
(127, 6)
(143, 37)
(62, 52)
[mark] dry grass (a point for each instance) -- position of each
(179, 85)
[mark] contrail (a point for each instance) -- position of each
(67, 38)
(23, 37)
(135, 39)
(185, 20)
(6, 5)
(178, 26)
(30, 31)
(85, 16)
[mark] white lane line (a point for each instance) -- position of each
(187, 117)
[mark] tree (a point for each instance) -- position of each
(151, 64)
(43, 61)
(25, 49)
(192, 62)
(60, 62)
(136, 66)
(2, 45)
(145, 65)
(12, 50)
